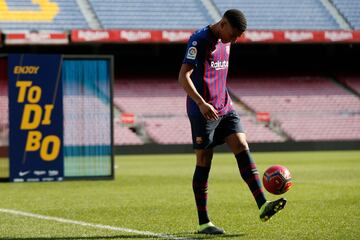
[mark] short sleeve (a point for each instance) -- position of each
(194, 50)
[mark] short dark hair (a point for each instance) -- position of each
(236, 19)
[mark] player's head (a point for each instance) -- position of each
(232, 25)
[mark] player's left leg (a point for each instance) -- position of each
(239, 146)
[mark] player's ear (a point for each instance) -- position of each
(222, 23)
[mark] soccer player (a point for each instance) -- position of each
(213, 119)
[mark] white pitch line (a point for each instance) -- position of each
(93, 225)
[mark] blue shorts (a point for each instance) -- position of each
(207, 134)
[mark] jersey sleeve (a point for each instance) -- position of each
(195, 50)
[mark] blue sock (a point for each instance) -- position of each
(250, 175)
(200, 187)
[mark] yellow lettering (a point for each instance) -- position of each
(34, 94)
(44, 154)
(26, 69)
(33, 141)
(46, 13)
(47, 115)
(22, 85)
(26, 122)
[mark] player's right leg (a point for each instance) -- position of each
(200, 187)
(202, 133)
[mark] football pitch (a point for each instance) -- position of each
(151, 198)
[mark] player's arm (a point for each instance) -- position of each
(207, 110)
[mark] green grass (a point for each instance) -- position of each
(153, 193)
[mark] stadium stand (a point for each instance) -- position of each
(350, 9)
(148, 14)
(167, 14)
(304, 107)
(24, 15)
(314, 127)
(282, 14)
(258, 132)
(89, 110)
(175, 130)
(139, 96)
(124, 136)
(351, 81)
(163, 111)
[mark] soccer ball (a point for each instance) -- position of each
(277, 179)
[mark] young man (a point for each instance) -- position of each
(213, 119)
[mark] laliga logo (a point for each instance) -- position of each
(218, 65)
(34, 116)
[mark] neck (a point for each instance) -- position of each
(215, 29)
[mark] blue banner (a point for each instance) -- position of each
(36, 118)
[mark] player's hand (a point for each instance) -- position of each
(208, 111)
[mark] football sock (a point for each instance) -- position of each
(200, 187)
(250, 175)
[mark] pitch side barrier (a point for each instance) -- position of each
(255, 147)
(89, 36)
(60, 117)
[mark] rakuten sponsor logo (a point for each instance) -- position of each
(257, 36)
(175, 36)
(218, 65)
(298, 36)
(135, 35)
(93, 35)
(338, 36)
(35, 37)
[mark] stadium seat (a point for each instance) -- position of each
(124, 136)
(163, 111)
(89, 111)
(350, 9)
(282, 14)
(147, 14)
(67, 17)
(351, 81)
(305, 108)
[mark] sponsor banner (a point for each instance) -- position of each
(261, 36)
(145, 36)
(41, 37)
(35, 118)
(139, 36)
(115, 36)
(302, 36)
(250, 36)
(176, 35)
(94, 36)
(341, 36)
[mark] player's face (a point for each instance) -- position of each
(228, 33)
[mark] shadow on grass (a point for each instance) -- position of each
(187, 235)
(80, 238)
(192, 235)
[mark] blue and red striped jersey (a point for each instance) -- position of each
(210, 58)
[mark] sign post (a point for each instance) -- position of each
(36, 118)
